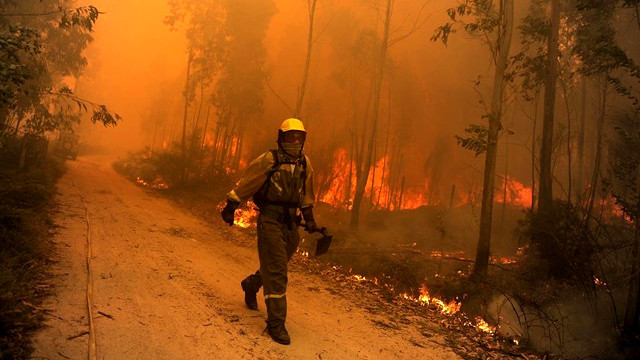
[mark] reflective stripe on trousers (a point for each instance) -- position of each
(276, 244)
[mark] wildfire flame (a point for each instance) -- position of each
(517, 194)
(156, 184)
(246, 216)
(382, 195)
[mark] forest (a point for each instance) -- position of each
(482, 152)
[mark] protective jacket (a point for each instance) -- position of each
(290, 183)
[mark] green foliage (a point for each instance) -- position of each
(477, 141)
(476, 17)
(40, 43)
(599, 50)
(84, 17)
(529, 64)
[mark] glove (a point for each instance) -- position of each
(229, 211)
(307, 214)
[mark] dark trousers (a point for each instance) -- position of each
(277, 241)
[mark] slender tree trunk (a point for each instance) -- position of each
(373, 179)
(506, 182)
(565, 96)
(399, 206)
(533, 151)
(581, 134)
(598, 154)
(347, 190)
(377, 86)
(202, 144)
(386, 149)
(486, 212)
(184, 117)
(303, 87)
(213, 165)
(545, 196)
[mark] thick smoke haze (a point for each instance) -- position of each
(137, 66)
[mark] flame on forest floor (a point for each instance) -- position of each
(425, 299)
(484, 326)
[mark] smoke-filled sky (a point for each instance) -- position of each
(137, 67)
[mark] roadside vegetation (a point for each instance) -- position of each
(25, 254)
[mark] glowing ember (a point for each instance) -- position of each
(156, 184)
(599, 282)
(502, 260)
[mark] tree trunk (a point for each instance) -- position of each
(533, 152)
(386, 149)
(581, 135)
(565, 96)
(598, 155)
(486, 212)
(303, 87)
(377, 86)
(184, 117)
(545, 196)
(213, 165)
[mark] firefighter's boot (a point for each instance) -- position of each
(279, 334)
(251, 286)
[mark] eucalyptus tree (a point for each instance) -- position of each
(239, 90)
(494, 25)
(40, 44)
(311, 5)
(204, 28)
(376, 48)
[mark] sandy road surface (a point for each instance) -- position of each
(166, 285)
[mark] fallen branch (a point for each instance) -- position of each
(78, 335)
(106, 315)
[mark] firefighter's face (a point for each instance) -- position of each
(294, 137)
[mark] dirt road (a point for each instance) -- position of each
(166, 285)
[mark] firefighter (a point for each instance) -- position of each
(281, 184)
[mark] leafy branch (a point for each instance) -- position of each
(101, 113)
